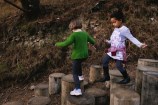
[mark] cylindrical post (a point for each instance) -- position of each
(114, 83)
(149, 95)
(101, 96)
(148, 62)
(41, 90)
(139, 76)
(122, 96)
(67, 84)
(55, 82)
(85, 99)
(95, 73)
(14, 103)
(115, 74)
(39, 101)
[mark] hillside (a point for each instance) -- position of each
(27, 50)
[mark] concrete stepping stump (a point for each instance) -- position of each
(115, 74)
(14, 103)
(95, 73)
(139, 76)
(101, 96)
(41, 90)
(39, 101)
(85, 99)
(55, 83)
(85, 83)
(122, 96)
(114, 83)
(67, 84)
(148, 62)
(149, 94)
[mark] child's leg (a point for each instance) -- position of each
(80, 68)
(123, 71)
(106, 60)
(75, 70)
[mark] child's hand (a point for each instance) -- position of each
(92, 48)
(143, 45)
(107, 41)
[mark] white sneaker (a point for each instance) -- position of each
(81, 78)
(76, 92)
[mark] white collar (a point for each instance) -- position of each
(77, 30)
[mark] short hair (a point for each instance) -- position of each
(75, 24)
(118, 14)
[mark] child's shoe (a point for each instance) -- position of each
(81, 78)
(76, 92)
(125, 80)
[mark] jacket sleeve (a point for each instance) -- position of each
(91, 40)
(67, 42)
(129, 36)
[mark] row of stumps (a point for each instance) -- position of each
(141, 91)
(147, 81)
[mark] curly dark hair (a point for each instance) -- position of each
(118, 14)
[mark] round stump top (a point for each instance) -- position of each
(57, 75)
(149, 60)
(96, 92)
(115, 73)
(42, 86)
(68, 78)
(147, 68)
(85, 83)
(39, 101)
(126, 94)
(152, 74)
(14, 103)
(85, 99)
(96, 66)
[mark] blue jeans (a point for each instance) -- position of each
(77, 71)
(119, 65)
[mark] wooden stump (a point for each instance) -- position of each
(68, 85)
(95, 73)
(139, 76)
(115, 74)
(55, 83)
(149, 95)
(85, 83)
(41, 90)
(101, 96)
(148, 62)
(122, 96)
(85, 99)
(114, 84)
(39, 101)
(14, 103)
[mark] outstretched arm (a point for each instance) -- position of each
(91, 40)
(129, 36)
(65, 43)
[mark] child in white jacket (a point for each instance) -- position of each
(117, 49)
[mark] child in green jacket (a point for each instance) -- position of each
(79, 39)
